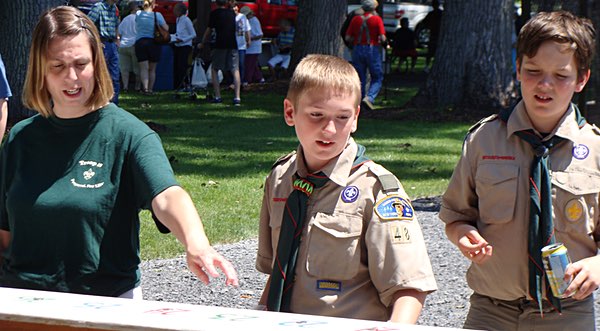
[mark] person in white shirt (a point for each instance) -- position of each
(242, 36)
(252, 72)
(127, 60)
(184, 34)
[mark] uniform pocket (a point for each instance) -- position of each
(496, 187)
(575, 201)
(334, 246)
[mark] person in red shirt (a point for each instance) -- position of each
(367, 34)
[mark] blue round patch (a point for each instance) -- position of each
(580, 151)
(350, 194)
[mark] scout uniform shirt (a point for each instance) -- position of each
(490, 190)
(350, 261)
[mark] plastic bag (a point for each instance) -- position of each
(199, 78)
(209, 74)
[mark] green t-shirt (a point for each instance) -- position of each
(70, 194)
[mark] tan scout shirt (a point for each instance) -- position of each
(490, 189)
(350, 262)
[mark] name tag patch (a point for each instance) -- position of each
(329, 285)
(394, 207)
(399, 233)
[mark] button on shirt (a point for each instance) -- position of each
(106, 19)
(490, 190)
(348, 265)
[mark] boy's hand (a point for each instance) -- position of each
(586, 277)
(470, 243)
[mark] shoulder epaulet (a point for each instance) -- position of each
(283, 159)
(482, 121)
(388, 181)
(595, 129)
(394, 206)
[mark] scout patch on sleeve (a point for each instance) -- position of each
(399, 233)
(393, 207)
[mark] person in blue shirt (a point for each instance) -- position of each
(104, 15)
(5, 93)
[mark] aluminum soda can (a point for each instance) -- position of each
(556, 259)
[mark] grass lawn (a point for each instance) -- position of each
(221, 155)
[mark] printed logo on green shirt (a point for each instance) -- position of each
(89, 170)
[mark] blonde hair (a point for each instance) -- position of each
(148, 4)
(324, 73)
(57, 23)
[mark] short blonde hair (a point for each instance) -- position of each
(57, 23)
(324, 73)
(147, 4)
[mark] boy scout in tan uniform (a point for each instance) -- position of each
(361, 253)
(487, 207)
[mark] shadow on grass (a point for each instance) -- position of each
(223, 141)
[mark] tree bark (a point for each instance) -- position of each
(201, 13)
(473, 67)
(18, 20)
(318, 29)
(594, 11)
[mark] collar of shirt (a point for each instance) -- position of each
(109, 6)
(338, 169)
(567, 126)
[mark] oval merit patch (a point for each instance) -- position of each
(394, 207)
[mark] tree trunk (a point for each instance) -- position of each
(21, 17)
(594, 11)
(18, 20)
(201, 14)
(547, 5)
(473, 67)
(318, 29)
(525, 11)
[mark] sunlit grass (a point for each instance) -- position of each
(221, 155)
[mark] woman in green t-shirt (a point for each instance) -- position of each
(74, 177)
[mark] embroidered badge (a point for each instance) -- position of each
(580, 151)
(329, 285)
(350, 194)
(393, 207)
(399, 233)
(573, 210)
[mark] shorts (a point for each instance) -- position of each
(225, 59)
(283, 59)
(134, 293)
(487, 313)
(127, 60)
(406, 53)
(147, 50)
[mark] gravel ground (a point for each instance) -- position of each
(170, 280)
